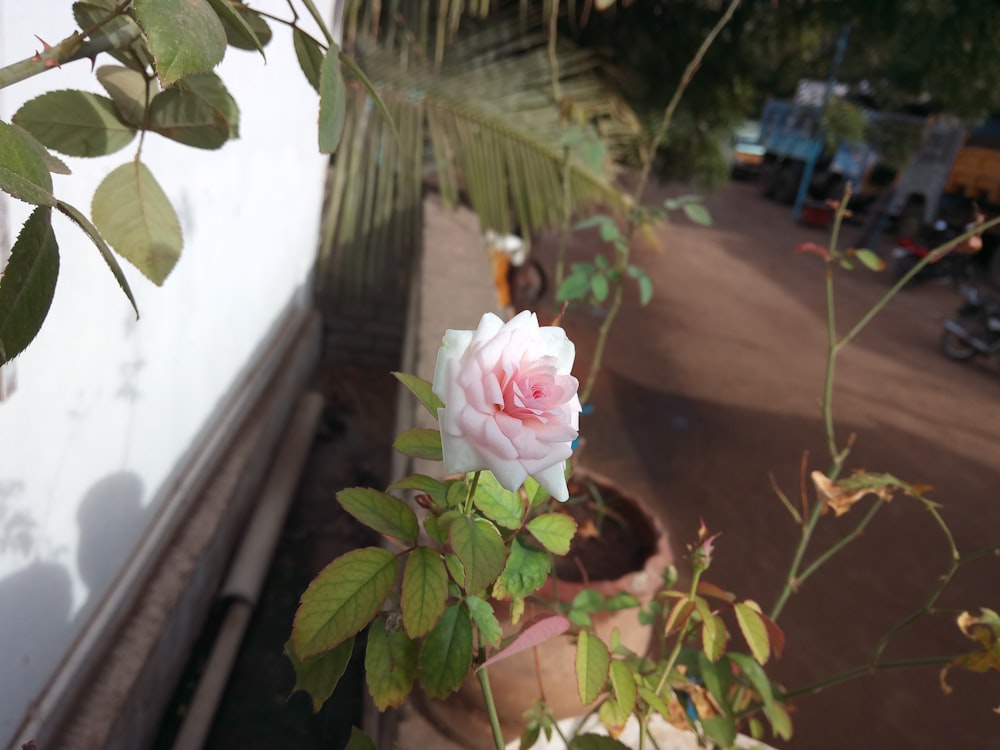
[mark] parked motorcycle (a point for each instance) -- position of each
(909, 252)
(976, 330)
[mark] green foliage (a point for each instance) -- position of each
(593, 663)
(75, 123)
(342, 599)
(423, 390)
(318, 675)
(498, 504)
(419, 443)
(480, 548)
(332, 101)
(485, 620)
(425, 590)
(384, 513)
(446, 653)
(135, 216)
(23, 172)
(359, 741)
(196, 111)
(526, 570)
(28, 283)
(185, 36)
(554, 531)
(432, 488)
(391, 664)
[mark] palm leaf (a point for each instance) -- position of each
(478, 120)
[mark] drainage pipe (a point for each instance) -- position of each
(249, 569)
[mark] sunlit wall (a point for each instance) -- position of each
(105, 405)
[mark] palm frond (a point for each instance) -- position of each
(480, 123)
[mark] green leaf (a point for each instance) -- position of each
(781, 723)
(53, 164)
(359, 741)
(196, 111)
(536, 493)
(342, 599)
(318, 675)
(434, 488)
(612, 715)
(721, 730)
(486, 621)
(390, 664)
(698, 214)
(423, 390)
(595, 742)
(574, 286)
(606, 225)
(623, 685)
(77, 123)
(100, 15)
(102, 247)
(135, 216)
(419, 443)
(332, 101)
(127, 89)
(384, 513)
(28, 283)
(599, 287)
(239, 32)
(22, 169)
(713, 631)
(185, 36)
(525, 572)
(310, 56)
(870, 259)
(479, 546)
(754, 630)
(592, 664)
(655, 701)
(446, 653)
(583, 604)
(425, 589)
(846, 264)
(717, 676)
(498, 503)
(645, 284)
(554, 531)
(351, 64)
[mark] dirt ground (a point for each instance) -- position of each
(706, 392)
(716, 384)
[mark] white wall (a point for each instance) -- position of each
(105, 405)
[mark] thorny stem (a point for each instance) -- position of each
(602, 338)
(837, 456)
(686, 79)
(566, 218)
(934, 255)
(621, 264)
(678, 645)
(861, 670)
(76, 46)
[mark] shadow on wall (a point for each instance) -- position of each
(38, 623)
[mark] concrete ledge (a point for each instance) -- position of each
(117, 702)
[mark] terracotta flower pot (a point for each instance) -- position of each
(629, 555)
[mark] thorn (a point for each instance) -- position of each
(45, 45)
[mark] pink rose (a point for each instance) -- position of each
(510, 403)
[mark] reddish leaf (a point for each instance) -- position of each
(532, 636)
(812, 247)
